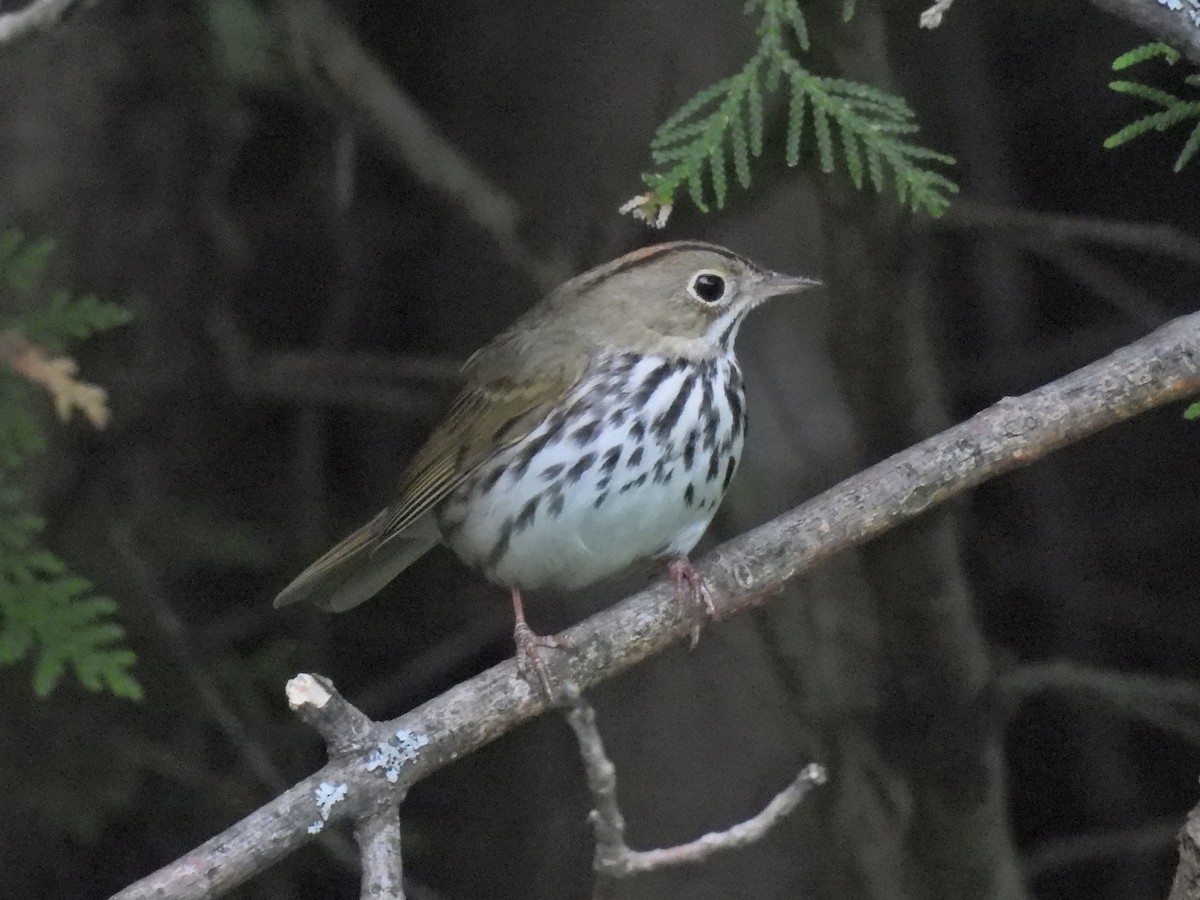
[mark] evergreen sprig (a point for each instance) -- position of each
(1174, 109)
(47, 613)
(722, 127)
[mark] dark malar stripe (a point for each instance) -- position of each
(724, 339)
(735, 375)
(665, 423)
(706, 399)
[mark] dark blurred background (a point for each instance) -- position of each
(303, 297)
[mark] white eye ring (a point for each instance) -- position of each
(708, 286)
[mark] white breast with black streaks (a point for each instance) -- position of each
(632, 465)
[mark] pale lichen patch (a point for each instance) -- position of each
(392, 754)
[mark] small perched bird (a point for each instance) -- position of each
(602, 428)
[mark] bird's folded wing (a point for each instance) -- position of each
(484, 419)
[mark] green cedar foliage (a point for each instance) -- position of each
(854, 126)
(47, 614)
(1173, 110)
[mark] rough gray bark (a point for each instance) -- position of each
(1186, 885)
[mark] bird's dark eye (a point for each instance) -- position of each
(708, 286)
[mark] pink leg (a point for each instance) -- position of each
(528, 642)
(692, 594)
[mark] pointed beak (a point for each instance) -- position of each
(772, 284)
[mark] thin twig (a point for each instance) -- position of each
(1160, 368)
(614, 858)
(323, 46)
(309, 461)
(1154, 238)
(334, 378)
(608, 823)
(1154, 837)
(1106, 283)
(173, 632)
(740, 835)
(318, 703)
(1055, 238)
(378, 839)
(1169, 704)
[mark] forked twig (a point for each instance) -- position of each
(616, 859)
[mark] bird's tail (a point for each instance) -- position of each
(358, 567)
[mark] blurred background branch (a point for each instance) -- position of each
(1176, 23)
(322, 47)
(21, 19)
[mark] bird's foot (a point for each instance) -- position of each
(529, 657)
(692, 595)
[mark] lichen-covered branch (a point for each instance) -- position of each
(1186, 885)
(1160, 368)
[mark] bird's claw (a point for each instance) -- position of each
(692, 595)
(529, 658)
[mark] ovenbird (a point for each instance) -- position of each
(603, 427)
